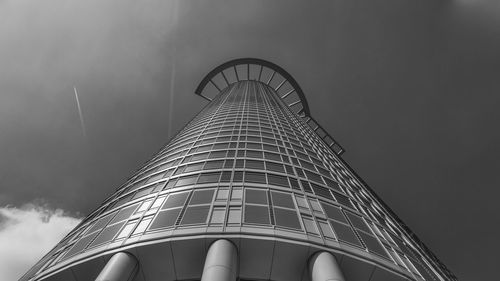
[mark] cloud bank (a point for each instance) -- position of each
(27, 233)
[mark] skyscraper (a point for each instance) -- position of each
(252, 189)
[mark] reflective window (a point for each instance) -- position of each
(196, 215)
(101, 223)
(107, 234)
(222, 194)
(80, 245)
(257, 214)
(310, 225)
(234, 216)
(209, 178)
(301, 202)
(287, 218)
(236, 194)
(214, 165)
(158, 202)
(254, 164)
(334, 213)
(255, 177)
(143, 225)
(187, 180)
(315, 206)
(124, 213)
(281, 199)
(165, 219)
(373, 244)
(358, 222)
(255, 196)
(127, 229)
(326, 230)
(203, 196)
(218, 216)
(144, 206)
(345, 233)
(278, 180)
(176, 200)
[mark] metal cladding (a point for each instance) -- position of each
(252, 169)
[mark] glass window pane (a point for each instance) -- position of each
(189, 180)
(310, 226)
(326, 230)
(194, 167)
(144, 206)
(321, 191)
(345, 233)
(226, 176)
(234, 216)
(275, 167)
(281, 199)
(165, 218)
(143, 225)
(294, 183)
(313, 176)
(209, 178)
(315, 206)
(101, 223)
(306, 186)
(236, 193)
(158, 202)
(342, 199)
(373, 245)
(124, 213)
(358, 222)
(195, 215)
(257, 214)
(286, 218)
(218, 216)
(107, 234)
(255, 177)
(256, 196)
(254, 164)
(144, 192)
(254, 154)
(301, 201)
(127, 229)
(80, 245)
(278, 180)
(334, 213)
(222, 194)
(175, 200)
(203, 196)
(272, 156)
(213, 165)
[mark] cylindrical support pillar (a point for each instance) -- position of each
(121, 267)
(221, 263)
(323, 266)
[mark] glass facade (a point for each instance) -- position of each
(247, 163)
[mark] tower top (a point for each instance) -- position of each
(259, 70)
(282, 82)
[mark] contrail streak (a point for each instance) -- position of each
(80, 113)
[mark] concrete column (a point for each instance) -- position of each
(221, 263)
(323, 266)
(121, 267)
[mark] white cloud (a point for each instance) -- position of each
(26, 234)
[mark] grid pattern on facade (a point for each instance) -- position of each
(246, 160)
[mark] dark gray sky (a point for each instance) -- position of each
(407, 87)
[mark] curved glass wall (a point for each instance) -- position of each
(246, 164)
